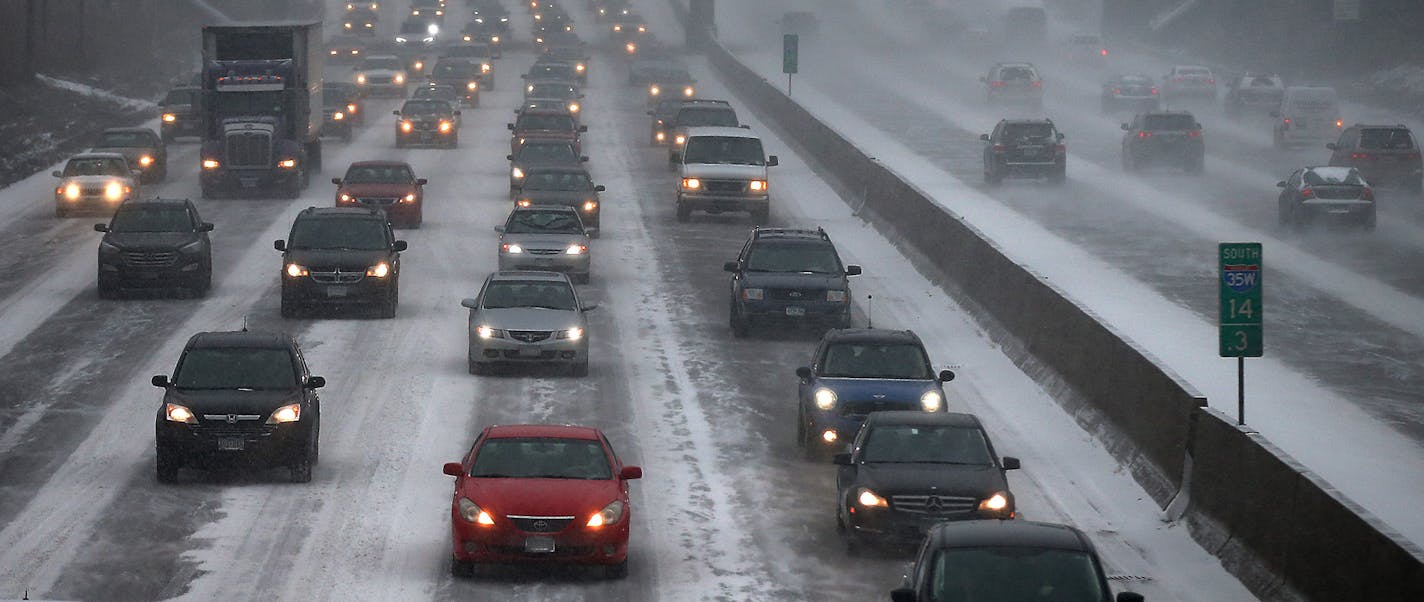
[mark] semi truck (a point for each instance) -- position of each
(261, 108)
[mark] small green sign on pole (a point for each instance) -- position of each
(1241, 310)
(789, 47)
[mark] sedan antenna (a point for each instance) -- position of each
(244, 322)
(869, 311)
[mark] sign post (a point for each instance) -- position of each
(789, 44)
(1241, 310)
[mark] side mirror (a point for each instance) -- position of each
(853, 270)
(205, 227)
(841, 459)
(421, 181)
(509, 126)
(160, 381)
(499, 229)
(650, 112)
(583, 128)
(745, 126)
(1126, 127)
(509, 157)
(280, 245)
(399, 246)
(1129, 597)
(454, 469)
(315, 382)
(1059, 136)
(599, 188)
(630, 472)
(730, 266)
(903, 594)
(804, 372)
(589, 307)
(772, 161)
(984, 78)
(524, 76)
(1281, 184)
(946, 376)
(984, 137)
(1330, 145)
(583, 159)
(457, 113)
(470, 303)
(101, 228)
(1010, 462)
(396, 113)
(336, 181)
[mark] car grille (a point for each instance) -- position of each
(337, 277)
(150, 259)
(540, 524)
(249, 149)
(544, 251)
(382, 200)
(725, 185)
(864, 408)
(91, 191)
(794, 294)
(933, 505)
(425, 125)
(233, 425)
(530, 336)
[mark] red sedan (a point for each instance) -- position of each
(541, 493)
(390, 186)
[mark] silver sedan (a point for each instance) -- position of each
(528, 318)
(545, 237)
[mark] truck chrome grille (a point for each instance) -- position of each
(249, 149)
(725, 185)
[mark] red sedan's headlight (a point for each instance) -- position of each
(609, 515)
(473, 514)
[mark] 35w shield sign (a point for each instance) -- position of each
(1241, 309)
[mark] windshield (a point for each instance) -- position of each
(876, 360)
(479, 51)
(1135, 80)
(1024, 131)
(426, 107)
(235, 368)
(673, 76)
(151, 219)
(550, 91)
(125, 139)
(546, 153)
(180, 97)
(248, 103)
(384, 62)
(545, 122)
(504, 294)
(357, 234)
(544, 222)
(566, 53)
(1386, 139)
(1013, 573)
(1333, 176)
(96, 167)
(551, 72)
(1170, 122)
(388, 174)
(1193, 72)
(724, 149)
(814, 258)
(696, 117)
(541, 458)
(453, 69)
(926, 443)
(1312, 98)
(433, 93)
(558, 180)
(1010, 74)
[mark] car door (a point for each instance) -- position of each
(989, 147)
(737, 282)
(198, 227)
(1292, 190)
(1345, 146)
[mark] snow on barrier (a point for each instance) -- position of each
(1282, 530)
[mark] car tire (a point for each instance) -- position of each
(1368, 223)
(166, 137)
(476, 368)
(1416, 185)
(1058, 177)
(740, 328)
(1278, 140)
(302, 468)
(854, 545)
(579, 369)
(166, 465)
(61, 212)
(1284, 216)
(209, 192)
(461, 569)
(684, 213)
(399, 143)
(993, 177)
(582, 278)
(346, 137)
(616, 571)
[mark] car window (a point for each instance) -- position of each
(543, 222)
(133, 218)
(125, 139)
(426, 107)
(545, 122)
(875, 360)
(541, 458)
(235, 368)
(1333, 177)
(1016, 74)
(550, 91)
(1170, 122)
(505, 294)
(1312, 98)
(1386, 139)
(547, 153)
(96, 167)
(558, 180)
(794, 257)
(724, 149)
(179, 97)
(390, 174)
(1013, 573)
(357, 234)
(453, 69)
(713, 117)
(385, 62)
(1025, 131)
(1193, 71)
(926, 443)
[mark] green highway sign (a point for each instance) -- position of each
(789, 42)
(1241, 309)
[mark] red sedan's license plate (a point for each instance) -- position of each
(539, 545)
(231, 444)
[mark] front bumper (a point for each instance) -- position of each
(422, 136)
(257, 444)
(336, 127)
(381, 89)
(897, 526)
(154, 270)
(89, 204)
(717, 203)
(509, 350)
(306, 290)
(248, 179)
(569, 264)
(817, 313)
(831, 431)
(505, 542)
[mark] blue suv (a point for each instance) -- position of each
(856, 371)
(791, 276)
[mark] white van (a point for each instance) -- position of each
(1308, 115)
(723, 169)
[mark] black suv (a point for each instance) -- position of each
(461, 74)
(909, 470)
(1384, 154)
(785, 274)
(155, 243)
(1171, 137)
(1025, 148)
(245, 396)
(337, 255)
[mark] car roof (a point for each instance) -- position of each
(819, 234)
(1014, 64)
(1026, 120)
(723, 131)
(371, 57)
(155, 201)
(916, 417)
(379, 163)
(545, 111)
(1380, 126)
(508, 275)
(1168, 112)
(132, 130)
(1008, 533)
(871, 335)
(560, 431)
(241, 338)
(334, 212)
(97, 155)
(558, 169)
(545, 208)
(1332, 171)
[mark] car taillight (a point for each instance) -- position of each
(1412, 156)
(996, 84)
(1144, 135)
(1103, 52)
(1339, 123)
(1211, 80)
(1037, 84)
(1360, 156)
(1194, 134)
(1307, 193)
(1060, 149)
(1117, 90)
(1154, 91)
(1368, 194)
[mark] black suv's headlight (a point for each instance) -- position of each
(192, 247)
(109, 249)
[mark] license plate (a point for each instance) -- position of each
(795, 311)
(426, 137)
(248, 182)
(529, 351)
(336, 291)
(1339, 210)
(539, 545)
(148, 275)
(231, 443)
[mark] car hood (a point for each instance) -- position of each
(376, 189)
(541, 497)
(176, 108)
(947, 479)
(558, 197)
(149, 241)
(545, 241)
(724, 171)
(893, 390)
(793, 280)
(529, 318)
(345, 260)
(230, 401)
(543, 162)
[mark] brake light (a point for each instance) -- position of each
(1117, 90)
(1154, 91)
(1287, 121)
(1194, 134)
(1060, 149)
(999, 148)
(1339, 123)
(1211, 80)
(1412, 156)
(1103, 52)
(1368, 194)
(1037, 84)
(1360, 156)
(1144, 135)
(996, 84)
(1307, 193)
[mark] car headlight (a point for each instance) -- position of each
(192, 247)
(512, 248)
(72, 191)
(572, 334)
(836, 296)
(589, 206)
(469, 38)
(114, 191)
(580, 67)
(617, 28)
(661, 136)
(654, 90)
(351, 108)
(296, 270)
(688, 91)
(753, 294)
(338, 116)
(399, 78)
(995, 503)
(680, 140)
(409, 198)
(109, 249)
(868, 499)
(445, 127)
(344, 198)
(433, 29)
(485, 332)
(347, 25)
(170, 117)
(691, 183)
(494, 39)
(576, 250)
(609, 515)
(401, 39)
(380, 270)
(418, 65)
(825, 399)
(473, 514)
(287, 163)
(516, 173)
(210, 164)
(472, 86)
(485, 67)
(932, 401)
(406, 126)
(757, 185)
(285, 414)
(573, 107)
(524, 202)
(145, 160)
(176, 413)
(360, 78)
